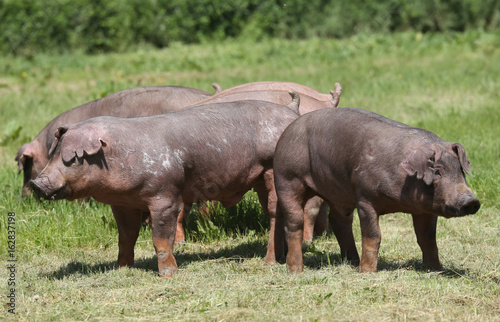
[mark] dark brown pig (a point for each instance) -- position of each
(354, 158)
(141, 101)
(156, 164)
(277, 92)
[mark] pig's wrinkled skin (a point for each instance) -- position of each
(354, 158)
(156, 164)
(141, 101)
(277, 92)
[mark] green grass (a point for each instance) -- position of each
(66, 269)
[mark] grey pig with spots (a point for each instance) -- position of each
(156, 164)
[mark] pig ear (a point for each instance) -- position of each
(217, 87)
(420, 162)
(25, 152)
(87, 141)
(462, 157)
(59, 132)
(336, 94)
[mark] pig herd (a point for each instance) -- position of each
(154, 151)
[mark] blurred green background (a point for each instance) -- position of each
(93, 26)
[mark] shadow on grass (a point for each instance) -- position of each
(80, 268)
(318, 261)
(416, 264)
(247, 250)
(238, 253)
(449, 271)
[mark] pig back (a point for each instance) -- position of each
(307, 103)
(134, 102)
(353, 150)
(274, 86)
(224, 145)
(233, 129)
(277, 92)
(229, 147)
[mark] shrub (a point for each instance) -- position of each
(93, 26)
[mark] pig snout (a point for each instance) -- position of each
(467, 204)
(39, 187)
(43, 187)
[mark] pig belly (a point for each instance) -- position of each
(227, 195)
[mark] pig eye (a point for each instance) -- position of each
(437, 173)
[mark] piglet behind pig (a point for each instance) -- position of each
(354, 158)
(156, 164)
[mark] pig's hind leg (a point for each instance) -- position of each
(291, 202)
(269, 203)
(129, 224)
(341, 225)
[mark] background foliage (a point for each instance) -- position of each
(92, 26)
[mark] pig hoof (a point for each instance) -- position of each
(270, 261)
(353, 262)
(433, 266)
(367, 270)
(168, 272)
(295, 269)
(307, 245)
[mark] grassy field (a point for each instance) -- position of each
(66, 252)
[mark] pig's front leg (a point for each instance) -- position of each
(129, 224)
(164, 214)
(341, 225)
(370, 236)
(425, 229)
